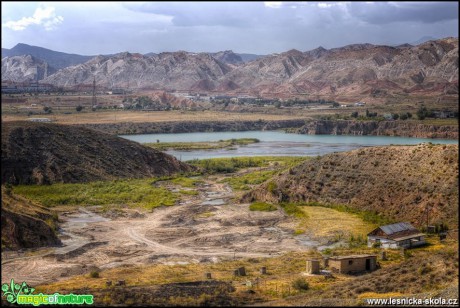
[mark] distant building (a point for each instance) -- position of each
(444, 114)
(353, 264)
(397, 235)
(39, 119)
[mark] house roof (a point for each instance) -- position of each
(397, 227)
(396, 231)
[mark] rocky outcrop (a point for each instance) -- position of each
(378, 128)
(398, 182)
(26, 225)
(127, 128)
(43, 153)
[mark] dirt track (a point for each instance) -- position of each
(208, 227)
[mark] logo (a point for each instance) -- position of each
(22, 294)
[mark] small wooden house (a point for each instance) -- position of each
(353, 264)
(399, 235)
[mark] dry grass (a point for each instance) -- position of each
(322, 222)
(120, 116)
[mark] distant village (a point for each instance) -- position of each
(214, 98)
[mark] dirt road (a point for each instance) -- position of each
(208, 227)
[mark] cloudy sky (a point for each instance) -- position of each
(91, 28)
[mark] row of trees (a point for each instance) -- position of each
(395, 116)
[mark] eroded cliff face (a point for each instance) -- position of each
(379, 128)
(187, 127)
(320, 127)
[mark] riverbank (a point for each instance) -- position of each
(413, 129)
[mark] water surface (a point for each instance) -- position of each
(276, 143)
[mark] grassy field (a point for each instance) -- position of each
(246, 181)
(229, 165)
(322, 222)
(134, 193)
(187, 146)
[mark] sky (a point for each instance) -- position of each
(92, 28)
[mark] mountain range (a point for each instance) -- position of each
(430, 68)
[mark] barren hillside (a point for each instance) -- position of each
(26, 224)
(405, 183)
(41, 153)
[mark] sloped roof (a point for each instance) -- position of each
(397, 227)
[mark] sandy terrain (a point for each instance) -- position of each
(208, 227)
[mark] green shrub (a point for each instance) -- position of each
(94, 274)
(300, 284)
(293, 210)
(271, 187)
(262, 206)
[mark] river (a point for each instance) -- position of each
(277, 143)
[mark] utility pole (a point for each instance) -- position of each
(94, 101)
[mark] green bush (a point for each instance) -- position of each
(262, 206)
(293, 210)
(300, 284)
(94, 274)
(271, 187)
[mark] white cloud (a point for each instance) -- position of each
(44, 16)
(273, 5)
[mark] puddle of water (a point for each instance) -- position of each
(85, 217)
(214, 202)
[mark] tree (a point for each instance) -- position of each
(47, 109)
(79, 108)
(395, 116)
(403, 116)
(422, 113)
(354, 114)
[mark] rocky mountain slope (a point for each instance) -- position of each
(359, 69)
(404, 183)
(356, 69)
(54, 59)
(26, 224)
(41, 153)
(228, 57)
(25, 68)
(169, 70)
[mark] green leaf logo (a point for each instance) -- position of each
(12, 290)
